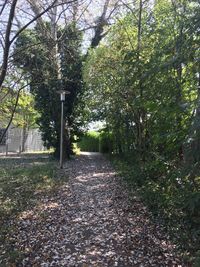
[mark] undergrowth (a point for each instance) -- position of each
(172, 193)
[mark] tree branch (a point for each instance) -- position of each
(3, 7)
(7, 42)
(33, 20)
(12, 115)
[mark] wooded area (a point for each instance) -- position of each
(144, 82)
(132, 65)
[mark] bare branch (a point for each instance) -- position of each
(84, 10)
(61, 13)
(113, 10)
(7, 42)
(3, 7)
(33, 20)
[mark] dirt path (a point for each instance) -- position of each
(90, 222)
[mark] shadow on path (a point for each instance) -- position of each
(91, 222)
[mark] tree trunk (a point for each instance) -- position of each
(196, 145)
(102, 21)
(178, 71)
(141, 111)
(24, 137)
(7, 45)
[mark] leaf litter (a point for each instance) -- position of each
(91, 222)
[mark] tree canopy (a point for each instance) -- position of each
(38, 63)
(143, 80)
(135, 67)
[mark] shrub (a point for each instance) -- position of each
(89, 142)
(105, 142)
(192, 204)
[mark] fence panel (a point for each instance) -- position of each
(32, 140)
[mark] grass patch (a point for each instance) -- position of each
(23, 180)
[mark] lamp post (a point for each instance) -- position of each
(62, 99)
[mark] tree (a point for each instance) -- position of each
(45, 82)
(12, 27)
(145, 71)
(8, 36)
(55, 14)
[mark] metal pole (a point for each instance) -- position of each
(61, 136)
(6, 144)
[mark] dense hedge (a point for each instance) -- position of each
(96, 142)
(105, 142)
(89, 142)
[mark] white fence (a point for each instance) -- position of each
(17, 140)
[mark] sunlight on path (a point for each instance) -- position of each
(90, 222)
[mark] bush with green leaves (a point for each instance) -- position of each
(105, 142)
(168, 191)
(89, 142)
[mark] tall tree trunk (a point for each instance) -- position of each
(24, 137)
(139, 34)
(141, 111)
(75, 11)
(102, 21)
(178, 72)
(196, 145)
(4, 66)
(12, 115)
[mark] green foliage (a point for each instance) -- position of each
(25, 115)
(93, 141)
(192, 204)
(105, 142)
(145, 87)
(89, 142)
(36, 55)
(144, 83)
(197, 260)
(168, 192)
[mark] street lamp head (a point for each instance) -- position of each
(62, 94)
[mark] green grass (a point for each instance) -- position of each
(23, 180)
